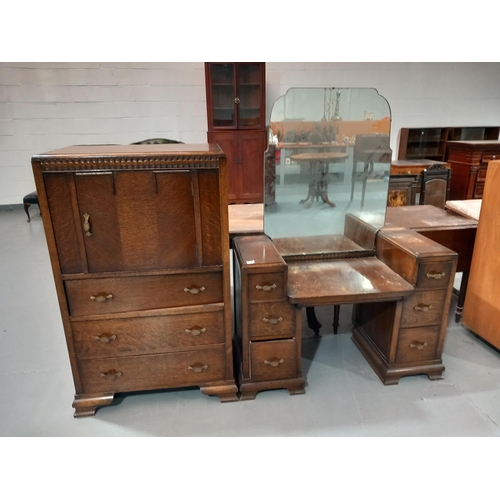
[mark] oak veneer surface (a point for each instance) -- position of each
(425, 217)
(344, 281)
(137, 237)
(482, 303)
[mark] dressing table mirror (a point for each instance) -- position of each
(333, 160)
(326, 187)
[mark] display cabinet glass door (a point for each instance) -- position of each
(249, 82)
(236, 90)
(223, 95)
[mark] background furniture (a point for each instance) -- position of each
(482, 304)
(431, 142)
(402, 190)
(466, 208)
(236, 103)
(400, 185)
(28, 200)
(469, 164)
(137, 238)
(158, 140)
(435, 186)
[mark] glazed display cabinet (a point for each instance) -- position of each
(236, 99)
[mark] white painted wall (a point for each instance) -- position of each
(50, 105)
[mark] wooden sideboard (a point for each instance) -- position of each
(137, 237)
(482, 304)
(469, 164)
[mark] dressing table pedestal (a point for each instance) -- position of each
(408, 341)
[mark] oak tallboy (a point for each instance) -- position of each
(137, 237)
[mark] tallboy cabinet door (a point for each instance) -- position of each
(137, 220)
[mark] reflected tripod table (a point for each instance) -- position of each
(318, 174)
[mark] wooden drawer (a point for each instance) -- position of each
(154, 371)
(271, 320)
(495, 155)
(112, 295)
(478, 189)
(417, 344)
(273, 359)
(423, 308)
(434, 274)
(481, 174)
(266, 287)
(147, 335)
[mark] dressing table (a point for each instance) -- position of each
(399, 281)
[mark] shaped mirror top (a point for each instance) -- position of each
(328, 158)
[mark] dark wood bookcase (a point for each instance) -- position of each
(430, 143)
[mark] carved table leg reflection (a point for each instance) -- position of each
(318, 185)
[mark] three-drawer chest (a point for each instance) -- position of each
(137, 238)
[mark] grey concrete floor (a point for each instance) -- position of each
(344, 397)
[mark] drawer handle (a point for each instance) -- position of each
(272, 321)
(194, 291)
(101, 297)
(86, 225)
(198, 368)
(111, 375)
(274, 362)
(418, 345)
(105, 338)
(423, 307)
(436, 276)
(195, 330)
(266, 288)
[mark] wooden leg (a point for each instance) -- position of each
(461, 296)
(312, 321)
(85, 405)
(26, 209)
(336, 314)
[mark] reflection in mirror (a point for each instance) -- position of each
(328, 158)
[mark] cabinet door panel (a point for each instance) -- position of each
(59, 190)
(251, 151)
(99, 221)
(210, 215)
(228, 142)
(129, 227)
(176, 231)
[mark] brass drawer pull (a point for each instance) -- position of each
(86, 225)
(195, 330)
(436, 276)
(423, 307)
(418, 345)
(101, 297)
(272, 321)
(111, 375)
(266, 288)
(105, 338)
(274, 362)
(198, 368)
(194, 290)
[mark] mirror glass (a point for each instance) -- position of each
(328, 156)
